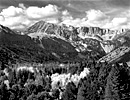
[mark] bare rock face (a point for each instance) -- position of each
(76, 35)
(48, 29)
(68, 32)
(121, 50)
(46, 41)
(93, 31)
(24, 48)
(116, 55)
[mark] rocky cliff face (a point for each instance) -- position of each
(121, 49)
(42, 28)
(68, 32)
(75, 35)
(46, 41)
(93, 31)
(24, 48)
(103, 41)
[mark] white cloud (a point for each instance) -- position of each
(52, 20)
(18, 27)
(94, 18)
(23, 17)
(2, 18)
(119, 21)
(21, 5)
(11, 11)
(108, 25)
(65, 13)
(16, 16)
(97, 18)
(71, 21)
(95, 15)
(35, 12)
(15, 21)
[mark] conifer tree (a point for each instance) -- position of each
(112, 90)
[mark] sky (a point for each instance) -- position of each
(111, 14)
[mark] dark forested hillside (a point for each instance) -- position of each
(34, 49)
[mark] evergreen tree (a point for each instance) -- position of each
(70, 92)
(102, 78)
(88, 90)
(81, 92)
(55, 93)
(32, 97)
(3, 91)
(112, 91)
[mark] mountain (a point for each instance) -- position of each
(71, 34)
(43, 30)
(51, 42)
(121, 51)
(82, 38)
(68, 32)
(22, 48)
(107, 42)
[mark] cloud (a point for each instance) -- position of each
(23, 17)
(95, 15)
(94, 18)
(126, 13)
(117, 23)
(74, 22)
(65, 13)
(97, 18)
(119, 3)
(52, 20)
(69, 20)
(14, 22)
(35, 12)
(21, 5)
(2, 18)
(12, 11)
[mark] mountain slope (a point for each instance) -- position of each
(101, 41)
(50, 42)
(70, 34)
(121, 51)
(29, 49)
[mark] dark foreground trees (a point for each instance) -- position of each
(104, 82)
(118, 87)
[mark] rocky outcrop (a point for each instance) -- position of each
(69, 32)
(42, 28)
(117, 55)
(120, 50)
(93, 31)
(30, 49)
(74, 35)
